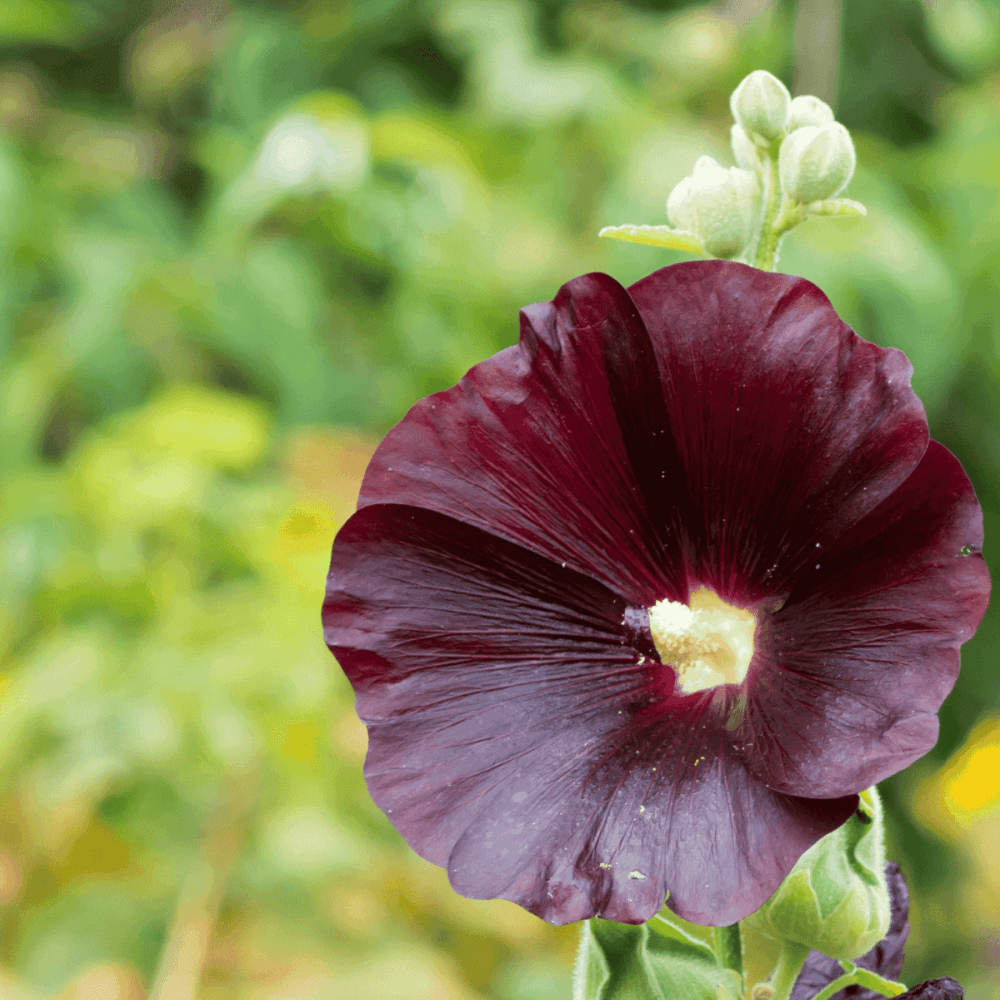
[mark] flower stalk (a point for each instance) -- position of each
(792, 159)
(729, 948)
(768, 239)
(790, 961)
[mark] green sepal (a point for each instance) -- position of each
(858, 976)
(873, 981)
(656, 236)
(835, 899)
(836, 206)
(626, 962)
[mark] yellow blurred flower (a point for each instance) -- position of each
(966, 790)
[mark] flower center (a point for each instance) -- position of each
(707, 641)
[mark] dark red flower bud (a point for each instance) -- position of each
(944, 988)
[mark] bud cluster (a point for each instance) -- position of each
(792, 158)
(815, 154)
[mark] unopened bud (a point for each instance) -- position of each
(760, 106)
(816, 163)
(717, 205)
(835, 899)
(808, 110)
(744, 151)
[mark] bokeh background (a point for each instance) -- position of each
(238, 239)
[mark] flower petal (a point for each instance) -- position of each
(537, 444)
(515, 735)
(790, 427)
(944, 988)
(616, 830)
(858, 661)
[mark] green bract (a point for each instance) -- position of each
(835, 899)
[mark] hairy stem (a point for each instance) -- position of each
(790, 961)
(767, 244)
(729, 948)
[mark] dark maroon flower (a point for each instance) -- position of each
(714, 435)
(944, 988)
(885, 959)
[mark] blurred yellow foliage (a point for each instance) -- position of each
(217, 429)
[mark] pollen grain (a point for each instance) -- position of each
(707, 641)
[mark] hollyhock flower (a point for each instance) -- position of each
(643, 602)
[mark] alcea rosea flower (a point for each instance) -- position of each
(643, 602)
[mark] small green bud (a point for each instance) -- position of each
(717, 205)
(835, 899)
(744, 151)
(816, 162)
(808, 110)
(760, 106)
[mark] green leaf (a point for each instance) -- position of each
(667, 923)
(624, 962)
(655, 236)
(836, 206)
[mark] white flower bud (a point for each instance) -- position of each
(816, 163)
(808, 110)
(717, 205)
(760, 105)
(744, 151)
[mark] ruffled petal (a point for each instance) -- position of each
(790, 428)
(540, 445)
(517, 735)
(856, 664)
(643, 814)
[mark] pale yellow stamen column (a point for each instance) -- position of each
(707, 641)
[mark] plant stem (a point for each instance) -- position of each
(729, 948)
(790, 961)
(767, 244)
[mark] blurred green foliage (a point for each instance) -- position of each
(239, 239)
